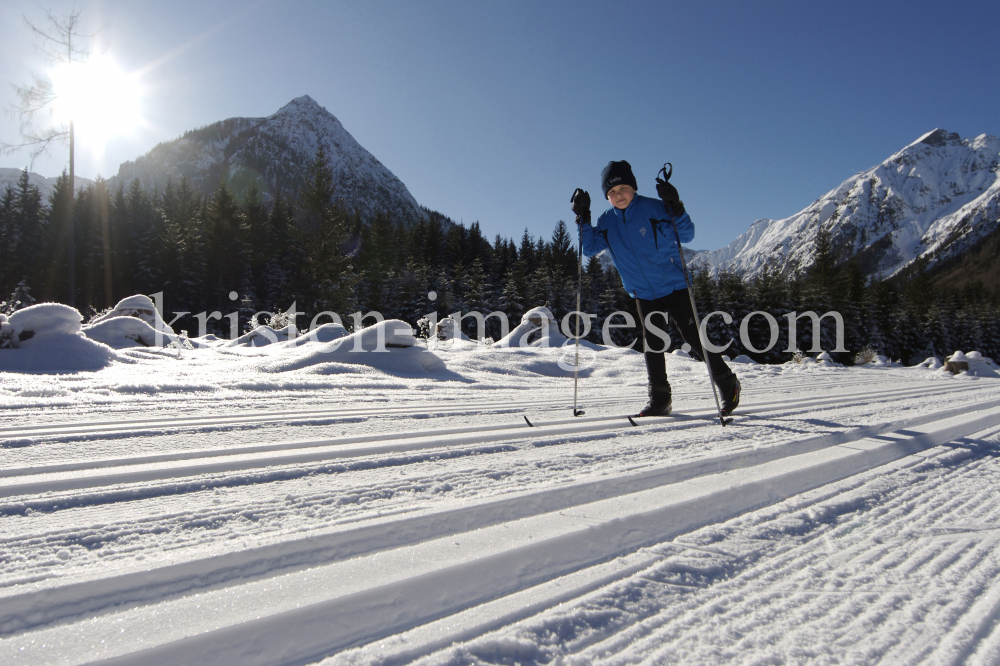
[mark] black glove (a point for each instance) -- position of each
(581, 206)
(670, 197)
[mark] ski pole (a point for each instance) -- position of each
(579, 288)
(694, 308)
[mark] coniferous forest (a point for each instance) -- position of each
(304, 248)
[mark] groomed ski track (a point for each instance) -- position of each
(511, 522)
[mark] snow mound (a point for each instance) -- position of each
(288, 336)
(743, 358)
(138, 306)
(538, 328)
(325, 333)
(264, 335)
(978, 366)
(207, 341)
(931, 363)
(824, 359)
(45, 319)
(58, 353)
(681, 353)
(123, 332)
(46, 339)
(388, 346)
(976, 356)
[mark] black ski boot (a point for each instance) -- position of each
(729, 390)
(659, 403)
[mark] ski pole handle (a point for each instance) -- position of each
(666, 174)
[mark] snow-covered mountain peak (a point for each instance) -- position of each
(302, 102)
(303, 107)
(932, 200)
(275, 153)
(938, 137)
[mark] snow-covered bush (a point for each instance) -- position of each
(865, 356)
(423, 328)
(7, 337)
(98, 316)
(931, 363)
(447, 329)
(279, 321)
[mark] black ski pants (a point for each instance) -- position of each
(677, 305)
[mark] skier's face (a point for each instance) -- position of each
(621, 196)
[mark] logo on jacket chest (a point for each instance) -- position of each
(642, 231)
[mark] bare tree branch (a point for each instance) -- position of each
(60, 43)
(62, 34)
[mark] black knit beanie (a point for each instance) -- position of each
(617, 173)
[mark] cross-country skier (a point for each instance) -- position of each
(637, 231)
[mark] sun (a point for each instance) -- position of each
(102, 101)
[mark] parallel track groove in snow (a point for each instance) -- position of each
(467, 528)
(431, 588)
(78, 476)
(131, 589)
(97, 428)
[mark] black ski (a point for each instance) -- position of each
(631, 418)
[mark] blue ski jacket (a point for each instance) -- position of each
(642, 245)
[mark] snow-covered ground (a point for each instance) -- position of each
(288, 505)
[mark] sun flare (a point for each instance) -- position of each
(102, 100)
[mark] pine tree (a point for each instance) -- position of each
(21, 298)
(122, 244)
(512, 296)
(7, 231)
(225, 245)
(278, 269)
(324, 278)
(30, 231)
(146, 225)
(527, 253)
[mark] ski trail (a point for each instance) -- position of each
(140, 426)
(158, 468)
(407, 530)
(483, 566)
(768, 601)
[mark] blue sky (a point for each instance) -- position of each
(495, 111)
